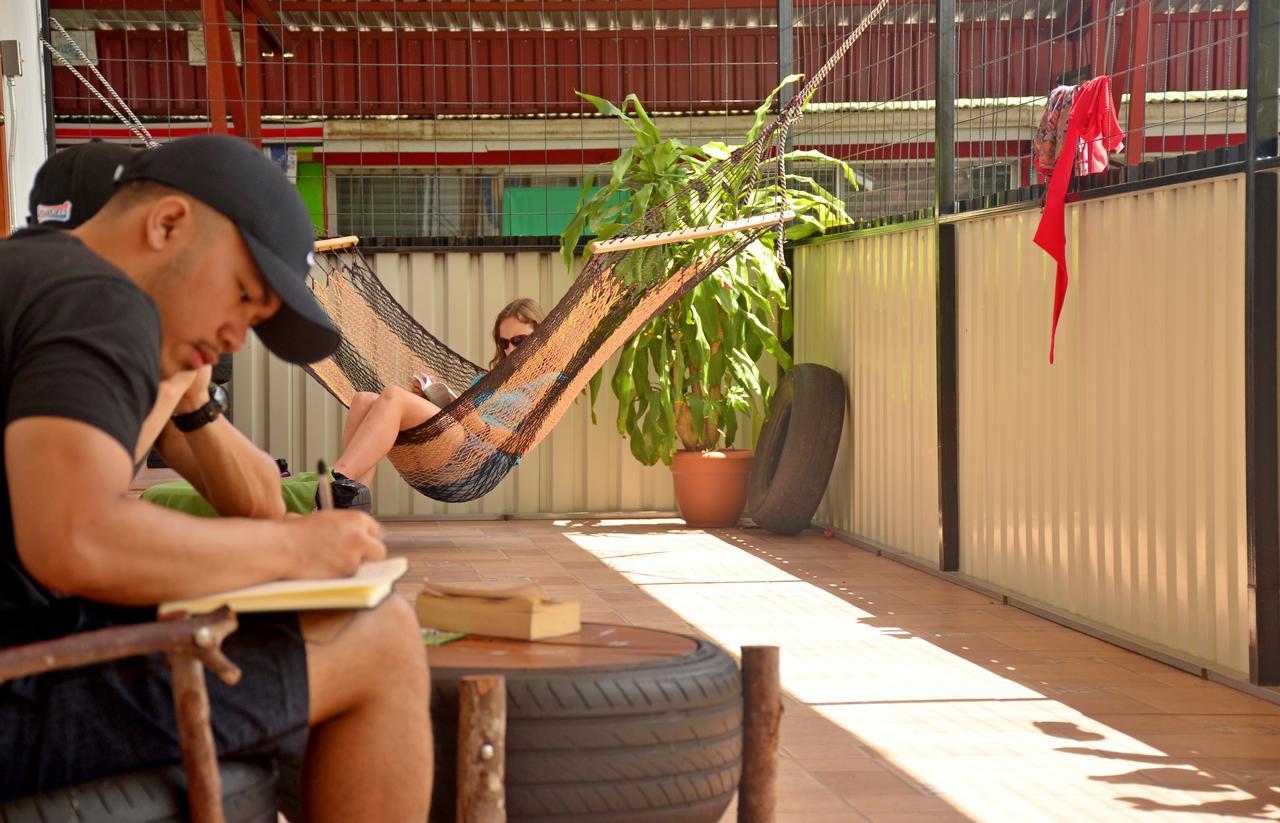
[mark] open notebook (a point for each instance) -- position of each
(369, 586)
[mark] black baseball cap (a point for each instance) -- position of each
(235, 179)
(75, 183)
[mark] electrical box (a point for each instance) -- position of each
(10, 58)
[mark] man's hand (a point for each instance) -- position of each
(197, 393)
(333, 543)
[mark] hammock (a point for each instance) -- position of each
(467, 449)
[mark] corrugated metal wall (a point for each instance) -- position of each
(867, 308)
(1110, 486)
(581, 467)
(431, 73)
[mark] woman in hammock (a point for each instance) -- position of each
(375, 420)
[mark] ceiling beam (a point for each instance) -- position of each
(269, 24)
(270, 9)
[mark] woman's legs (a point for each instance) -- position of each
(367, 440)
(360, 405)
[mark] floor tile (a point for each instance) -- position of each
(908, 698)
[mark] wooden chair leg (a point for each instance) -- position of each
(761, 722)
(199, 757)
(482, 745)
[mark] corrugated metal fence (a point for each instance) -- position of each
(866, 308)
(580, 467)
(1111, 484)
(1109, 487)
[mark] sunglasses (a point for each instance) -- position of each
(504, 342)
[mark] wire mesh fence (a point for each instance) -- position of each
(460, 119)
(1178, 75)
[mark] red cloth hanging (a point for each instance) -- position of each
(1093, 120)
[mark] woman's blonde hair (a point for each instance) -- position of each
(526, 310)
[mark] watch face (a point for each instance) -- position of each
(218, 394)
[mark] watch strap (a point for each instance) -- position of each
(202, 416)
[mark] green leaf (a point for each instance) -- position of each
(593, 390)
(603, 106)
(705, 350)
(763, 110)
(813, 154)
(648, 128)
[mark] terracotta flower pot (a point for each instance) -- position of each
(711, 487)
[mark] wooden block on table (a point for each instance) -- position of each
(518, 612)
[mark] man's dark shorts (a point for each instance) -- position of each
(71, 726)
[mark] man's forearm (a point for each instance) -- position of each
(235, 476)
(169, 555)
(79, 532)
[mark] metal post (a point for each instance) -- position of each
(786, 65)
(945, 105)
(785, 59)
(46, 69)
(1262, 440)
(948, 379)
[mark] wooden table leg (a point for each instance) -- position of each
(761, 722)
(482, 734)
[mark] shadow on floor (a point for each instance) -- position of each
(1185, 735)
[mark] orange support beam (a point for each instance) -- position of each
(252, 81)
(1136, 136)
(215, 22)
(231, 78)
(227, 94)
(1101, 24)
(264, 16)
(1121, 70)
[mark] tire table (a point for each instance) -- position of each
(614, 723)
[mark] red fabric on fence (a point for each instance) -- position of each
(1093, 120)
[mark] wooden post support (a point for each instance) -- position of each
(1136, 136)
(482, 748)
(761, 722)
(252, 60)
(199, 757)
(213, 17)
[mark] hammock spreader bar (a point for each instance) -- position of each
(337, 243)
(662, 238)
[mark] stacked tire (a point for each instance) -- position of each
(153, 796)
(656, 741)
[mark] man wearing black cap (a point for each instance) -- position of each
(75, 184)
(224, 467)
(203, 239)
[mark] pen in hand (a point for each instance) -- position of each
(324, 488)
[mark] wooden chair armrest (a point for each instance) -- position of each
(189, 644)
(198, 637)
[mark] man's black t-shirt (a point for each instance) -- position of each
(78, 340)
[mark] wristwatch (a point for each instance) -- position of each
(207, 413)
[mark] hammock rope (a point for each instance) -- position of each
(467, 449)
(124, 114)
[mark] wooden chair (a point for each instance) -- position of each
(190, 644)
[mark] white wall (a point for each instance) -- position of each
(26, 119)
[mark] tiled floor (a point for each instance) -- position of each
(909, 698)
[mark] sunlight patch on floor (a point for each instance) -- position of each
(991, 747)
(669, 522)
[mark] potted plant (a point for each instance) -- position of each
(685, 378)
